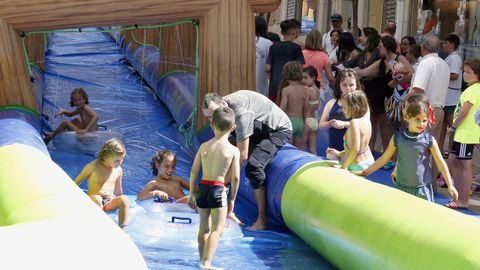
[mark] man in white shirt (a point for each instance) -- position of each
(454, 62)
(432, 79)
(337, 21)
(263, 47)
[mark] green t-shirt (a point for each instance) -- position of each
(468, 131)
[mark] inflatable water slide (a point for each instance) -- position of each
(47, 222)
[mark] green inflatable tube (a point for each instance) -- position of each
(359, 224)
(46, 222)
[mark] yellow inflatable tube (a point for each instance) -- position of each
(46, 222)
(359, 224)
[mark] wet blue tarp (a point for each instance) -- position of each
(127, 105)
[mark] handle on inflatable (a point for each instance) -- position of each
(182, 218)
(157, 199)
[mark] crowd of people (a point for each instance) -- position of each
(411, 95)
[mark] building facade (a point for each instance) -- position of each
(415, 18)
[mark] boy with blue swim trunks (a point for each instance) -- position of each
(218, 159)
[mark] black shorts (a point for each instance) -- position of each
(462, 150)
(211, 195)
(262, 149)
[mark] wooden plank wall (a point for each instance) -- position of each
(177, 50)
(15, 85)
(28, 15)
(227, 51)
(35, 45)
(227, 61)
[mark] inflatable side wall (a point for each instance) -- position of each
(175, 89)
(46, 221)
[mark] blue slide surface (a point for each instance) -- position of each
(128, 106)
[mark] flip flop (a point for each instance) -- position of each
(454, 205)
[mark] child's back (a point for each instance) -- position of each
(357, 154)
(217, 159)
(294, 100)
(364, 128)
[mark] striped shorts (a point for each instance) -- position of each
(462, 150)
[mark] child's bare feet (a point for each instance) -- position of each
(233, 217)
(210, 267)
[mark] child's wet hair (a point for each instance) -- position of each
(159, 157)
(312, 72)
(346, 73)
(111, 147)
(292, 71)
(223, 118)
(416, 104)
(355, 104)
(79, 91)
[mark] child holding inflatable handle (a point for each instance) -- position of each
(217, 159)
(165, 184)
(104, 177)
(88, 117)
(356, 155)
(414, 147)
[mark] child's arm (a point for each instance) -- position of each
(268, 68)
(284, 102)
(369, 72)
(308, 94)
(387, 155)
(148, 192)
(183, 183)
(235, 174)
(442, 166)
(93, 117)
(118, 183)
(196, 166)
(234, 184)
(466, 107)
(86, 172)
(354, 130)
(328, 72)
(324, 121)
(67, 113)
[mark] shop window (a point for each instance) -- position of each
(305, 11)
(389, 11)
(442, 17)
(309, 15)
(291, 9)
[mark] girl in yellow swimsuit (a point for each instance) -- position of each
(313, 99)
(357, 155)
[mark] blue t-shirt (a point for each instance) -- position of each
(280, 53)
(335, 135)
(413, 158)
